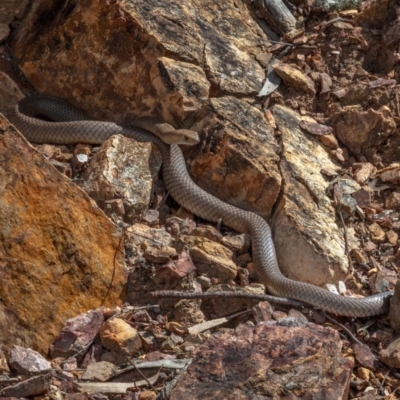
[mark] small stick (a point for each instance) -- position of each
(225, 294)
(333, 320)
(132, 362)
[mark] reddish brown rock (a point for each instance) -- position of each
(35, 386)
(391, 355)
(393, 201)
(169, 274)
(26, 361)
(364, 131)
(77, 334)
(268, 361)
(365, 356)
(9, 92)
(99, 371)
(56, 249)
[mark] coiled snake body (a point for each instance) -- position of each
(76, 127)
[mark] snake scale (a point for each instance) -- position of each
(74, 126)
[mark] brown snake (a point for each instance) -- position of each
(76, 127)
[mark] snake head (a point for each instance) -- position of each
(186, 136)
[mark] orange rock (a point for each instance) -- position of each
(118, 336)
(56, 247)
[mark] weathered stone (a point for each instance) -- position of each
(306, 361)
(123, 169)
(63, 168)
(188, 312)
(118, 336)
(154, 244)
(9, 92)
(204, 281)
(238, 243)
(393, 201)
(77, 333)
(369, 247)
(158, 255)
(147, 395)
(329, 141)
(35, 386)
(383, 280)
(363, 172)
(99, 371)
(391, 355)
(208, 232)
(382, 337)
(359, 256)
(295, 78)
(262, 312)
(57, 249)
(11, 9)
(377, 233)
(93, 355)
(363, 131)
(362, 197)
(114, 209)
(151, 217)
(304, 219)
(210, 258)
(392, 237)
(365, 356)
(177, 226)
(169, 274)
(25, 361)
(348, 186)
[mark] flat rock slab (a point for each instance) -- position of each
(268, 362)
(309, 244)
(56, 247)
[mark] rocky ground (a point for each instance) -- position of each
(88, 233)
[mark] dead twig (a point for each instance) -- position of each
(114, 268)
(348, 332)
(225, 294)
(132, 362)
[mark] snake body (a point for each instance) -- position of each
(74, 126)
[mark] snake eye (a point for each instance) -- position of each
(186, 138)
